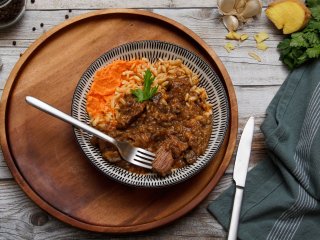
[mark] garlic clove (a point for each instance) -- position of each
(251, 9)
(230, 22)
(226, 6)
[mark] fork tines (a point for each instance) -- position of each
(143, 158)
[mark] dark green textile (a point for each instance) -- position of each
(281, 198)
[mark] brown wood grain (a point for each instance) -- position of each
(42, 152)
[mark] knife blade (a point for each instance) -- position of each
(240, 174)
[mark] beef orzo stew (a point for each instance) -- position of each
(157, 106)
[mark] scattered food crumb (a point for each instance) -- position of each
(229, 47)
(262, 46)
(229, 35)
(66, 16)
(70, 10)
(32, 1)
(261, 36)
(254, 56)
(14, 43)
(41, 24)
(244, 37)
(33, 29)
(233, 35)
(236, 36)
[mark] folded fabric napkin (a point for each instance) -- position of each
(282, 193)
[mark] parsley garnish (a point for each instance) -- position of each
(304, 45)
(147, 92)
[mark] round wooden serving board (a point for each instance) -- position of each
(42, 152)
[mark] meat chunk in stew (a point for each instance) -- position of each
(129, 111)
(163, 162)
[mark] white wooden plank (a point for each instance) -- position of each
(99, 4)
(243, 74)
(4, 170)
(8, 62)
(253, 101)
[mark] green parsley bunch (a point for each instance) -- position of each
(303, 46)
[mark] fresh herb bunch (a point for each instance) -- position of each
(304, 45)
(147, 92)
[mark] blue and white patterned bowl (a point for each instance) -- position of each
(154, 50)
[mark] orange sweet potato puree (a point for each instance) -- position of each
(105, 82)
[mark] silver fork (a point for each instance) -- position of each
(134, 155)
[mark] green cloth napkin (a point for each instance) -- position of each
(282, 193)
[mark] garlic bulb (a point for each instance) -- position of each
(242, 10)
(239, 6)
(251, 9)
(230, 22)
(226, 6)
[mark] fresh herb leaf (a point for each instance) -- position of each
(298, 40)
(313, 26)
(313, 52)
(315, 11)
(147, 92)
(303, 46)
(312, 38)
(139, 94)
(312, 3)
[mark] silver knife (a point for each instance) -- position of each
(240, 174)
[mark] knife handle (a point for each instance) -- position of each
(233, 229)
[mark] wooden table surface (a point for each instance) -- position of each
(255, 84)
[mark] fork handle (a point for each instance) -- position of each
(67, 118)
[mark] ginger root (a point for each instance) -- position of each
(288, 15)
